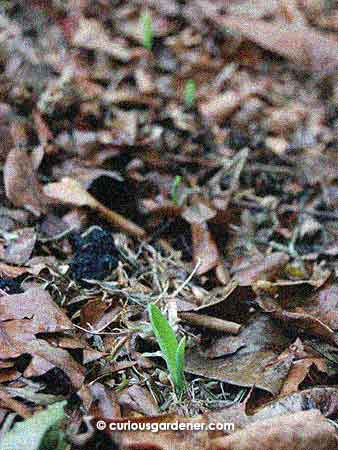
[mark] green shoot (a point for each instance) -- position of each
(172, 351)
(174, 188)
(147, 31)
(189, 93)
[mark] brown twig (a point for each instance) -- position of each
(213, 323)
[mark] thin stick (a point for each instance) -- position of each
(120, 221)
(212, 323)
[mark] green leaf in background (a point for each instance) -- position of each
(189, 93)
(29, 434)
(171, 351)
(147, 31)
(174, 188)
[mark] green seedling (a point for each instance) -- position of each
(147, 31)
(172, 351)
(189, 93)
(174, 188)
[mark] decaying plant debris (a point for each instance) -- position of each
(181, 154)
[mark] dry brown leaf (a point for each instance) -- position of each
(325, 399)
(323, 304)
(315, 315)
(44, 315)
(70, 191)
(204, 248)
(299, 371)
(130, 96)
(84, 175)
(279, 411)
(104, 401)
(14, 405)
(19, 250)
(21, 184)
(251, 358)
(261, 269)
(7, 271)
(307, 47)
(137, 398)
(198, 213)
(222, 106)
(91, 35)
(43, 131)
(46, 357)
(304, 430)
(17, 337)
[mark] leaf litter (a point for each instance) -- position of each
(182, 154)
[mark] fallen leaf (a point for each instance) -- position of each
(137, 398)
(204, 248)
(251, 357)
(261, 269)
(305, 46)
(35, 304)
(22, 186)
(299, 371)
(198, 213)
(19, 250)
(70, 191)
(304, 430)
(46, 357)
(315, 314)
(211, 323)
(85, 175)
(104, 401)
(7, 271)
(325, 399)
(91, 35)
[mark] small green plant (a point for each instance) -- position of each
(172, 351)
(190, 93)
(174, 188)
(147, 31)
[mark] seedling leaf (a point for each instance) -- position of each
(189, 93)
(166, 339)
(147, 31)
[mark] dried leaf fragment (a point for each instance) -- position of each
(91, 35)
(304, 430)
(19, 250)
(21, 184)
(302, 45)
(35, 304)
(204, 248)
(70, 191)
